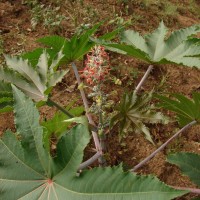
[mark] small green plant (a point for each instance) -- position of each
(134, 111)
(53, 23)
(192, 6)
(57, 125)
(148, 3)
(6, 97)
(47, 15)
(120, 22)
(170, 9)
(1, 45)
(1, 50)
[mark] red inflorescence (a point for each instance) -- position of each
(96, 66)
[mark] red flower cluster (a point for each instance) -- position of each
(96, 66)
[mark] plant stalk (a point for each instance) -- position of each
(191, 190)
(53, 103)
(137, 89)
(162, 146)
(89, 161)
(102, 136)
(85, 102)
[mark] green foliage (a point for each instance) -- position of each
(56, 125)
(77, 46)
(48, 16)
(189, 164)
(6, 97)
(156, 48)
(134, 111)
(187, 110)
(27, 170)
(79, 120)
(198, 198)
(27, 167)
(74, 48)
(170, 9)
(34, 56)
(34, 81)
(1, 45)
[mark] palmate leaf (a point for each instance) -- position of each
(177, 48)
(56, 125)
(36, 80)
(27, 171)
(33, 56)
(189, 164)
(187, 110)
(134, 111)
(76, 47)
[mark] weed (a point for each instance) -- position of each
(47, 15)
(170, 9)
(1, 45)
(1, 50)
(149, 3)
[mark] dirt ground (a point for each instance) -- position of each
(17, 36)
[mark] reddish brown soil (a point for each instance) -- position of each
(18, 35)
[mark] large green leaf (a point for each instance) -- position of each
(33, 80)
(56, 125)
(27, 171)
(177, 48)
(33, 56)
(134, 111)
(189, 164)
(187, 110)
(74, 48)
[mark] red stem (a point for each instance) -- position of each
(90, 161)
(143, 78)
(162, 147)
(85, 102)
(191, 190)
